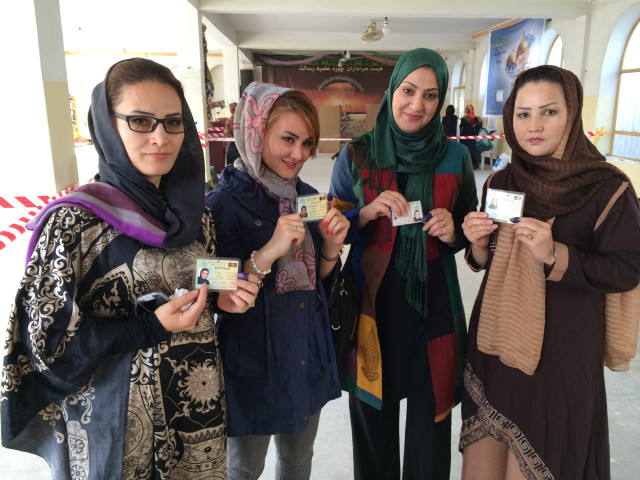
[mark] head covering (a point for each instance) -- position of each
(296, 269)
(554, 185)
(179, 202)
(416, 154)
(560, 183)
(409, 152)
(469, 110)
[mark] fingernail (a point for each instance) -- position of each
(243, 276)
(329, 197)
(324, 223)
(330, 233)
(327, 232)
(427, 217)
(514, 219)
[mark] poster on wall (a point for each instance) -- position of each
(350, 88)
(511, 50)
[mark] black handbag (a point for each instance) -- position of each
(344, 310)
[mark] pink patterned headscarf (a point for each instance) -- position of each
(297, 269)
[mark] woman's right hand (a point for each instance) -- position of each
(289, 231)
(381, 207)
(173, 319)
(477, 227)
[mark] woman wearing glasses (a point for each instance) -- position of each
(92, 382)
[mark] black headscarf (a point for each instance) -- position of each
(179, 201)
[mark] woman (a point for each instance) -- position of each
(98, 387)
(450, 125)
(534, 379)
(279, 362)
(412, 324)
(470, 126)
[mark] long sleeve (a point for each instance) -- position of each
(610, 262)
(64, 342)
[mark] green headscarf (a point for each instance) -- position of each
(417, 154)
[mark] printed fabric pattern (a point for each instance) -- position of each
(95, 403)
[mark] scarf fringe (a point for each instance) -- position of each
(412, 245)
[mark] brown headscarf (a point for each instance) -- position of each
(512, 316)
(564, 181)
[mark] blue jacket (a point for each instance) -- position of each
(278, 357)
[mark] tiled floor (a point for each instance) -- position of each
(332, 459)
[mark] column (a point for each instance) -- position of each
(190, 57)
(38, 156)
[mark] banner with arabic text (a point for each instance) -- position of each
(351, 88)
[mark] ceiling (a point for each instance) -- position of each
(314, 26)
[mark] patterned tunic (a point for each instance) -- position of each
(97, 388)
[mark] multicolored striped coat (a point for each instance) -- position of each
(454, 188)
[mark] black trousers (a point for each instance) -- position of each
(376, 441)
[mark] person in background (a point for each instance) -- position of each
(470, 125)
(279, 362)
(412, 327)
(99, 387)
(450, 125)
(551, 308)
(232, 150)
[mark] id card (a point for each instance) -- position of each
(312, 207)
(218, 273)
(502, 205)
(414, 215)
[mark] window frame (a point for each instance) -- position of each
(622, 71)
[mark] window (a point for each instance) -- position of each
(556, 56)
(626, 133)
(458, 93)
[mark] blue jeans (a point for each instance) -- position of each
(246, 454)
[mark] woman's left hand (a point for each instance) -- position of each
(440, 225)
(334, 227)
(536, 236)
(242, 299)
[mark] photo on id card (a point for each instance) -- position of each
(503, 205)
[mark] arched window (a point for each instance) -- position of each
(458, 93)
(626, 133)
(556, 56)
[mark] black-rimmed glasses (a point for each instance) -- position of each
(146, 124)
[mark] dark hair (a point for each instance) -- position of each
(539, 74)
(298, 102)
(451, 110)
(137, 70)
(204, 270)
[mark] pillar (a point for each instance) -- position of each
(38, 156)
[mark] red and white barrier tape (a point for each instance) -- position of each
(216, 137)
(212, 134)
(38, 202)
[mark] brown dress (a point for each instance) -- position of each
(555, 421)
